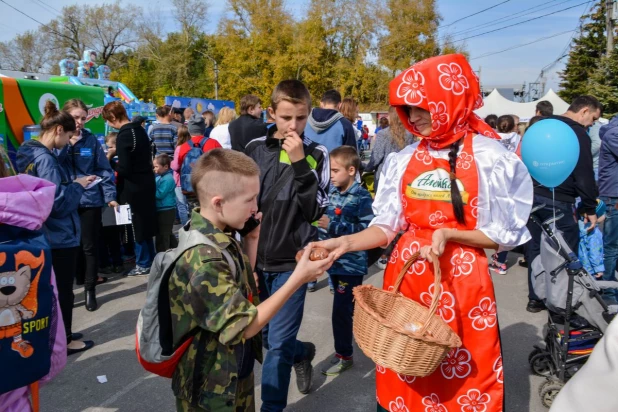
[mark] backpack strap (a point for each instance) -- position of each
(203, 142)
(34, 393)
(192, 238)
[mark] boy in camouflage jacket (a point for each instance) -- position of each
(218, 308)
(348, 212)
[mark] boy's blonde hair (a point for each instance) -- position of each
(346, 156)
(293, 91)
(217, 173)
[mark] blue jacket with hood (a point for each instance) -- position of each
(329, 128)
(86, 158)
(62, 226)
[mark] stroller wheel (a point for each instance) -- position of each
(541, 364)
(533, 354)
(549, 393)
(546, 383)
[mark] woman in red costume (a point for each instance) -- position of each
(455, 193)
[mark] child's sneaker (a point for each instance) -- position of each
(337, 366)
(381, 263)
(499, 268)
(139, 271)
(311, 286)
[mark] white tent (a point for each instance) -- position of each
(498, 105)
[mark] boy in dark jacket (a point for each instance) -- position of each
(348, 212)
(294, 181)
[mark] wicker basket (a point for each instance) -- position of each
(383, 324)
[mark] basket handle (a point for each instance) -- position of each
(435, 300)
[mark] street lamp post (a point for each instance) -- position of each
(216, 72)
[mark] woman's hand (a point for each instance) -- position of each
(85, 180)
(309, 271)
(439, 239)
(336, 247)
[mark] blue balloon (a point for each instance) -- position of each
(550, 151)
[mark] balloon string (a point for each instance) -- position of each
(553, 200)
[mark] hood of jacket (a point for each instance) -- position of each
(606, 128)
(28, 152)
(20, 190)
(322, 119)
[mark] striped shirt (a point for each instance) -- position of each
(164, 136)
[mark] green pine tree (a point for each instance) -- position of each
(585, 56)
(603, 84)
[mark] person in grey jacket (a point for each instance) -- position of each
(85, 156)
(390, 140)
(62, 227)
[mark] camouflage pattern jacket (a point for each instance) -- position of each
(206, 300)
(349, 212)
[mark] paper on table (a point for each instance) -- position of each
(123, 215)
(94, 182)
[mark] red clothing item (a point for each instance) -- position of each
(470, 377)
(184, 148)
(448, 88)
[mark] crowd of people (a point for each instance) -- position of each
(261, 191)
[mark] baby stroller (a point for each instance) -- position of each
(577, 314)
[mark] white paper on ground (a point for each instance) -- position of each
(102, 378)
(123, 215)
(94, 182)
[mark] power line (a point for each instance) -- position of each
(521, 45)
(42, 24)
(49, 5)
(517, 24)
(46, 7)
(519, 14)
(474, 14)
(563, 54)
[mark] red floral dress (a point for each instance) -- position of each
(470, 378)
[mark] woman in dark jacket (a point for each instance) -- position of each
(84, 156)
(136, 183)
(37, 158)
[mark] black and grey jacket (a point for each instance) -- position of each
(288, 224)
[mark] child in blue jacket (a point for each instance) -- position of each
(348, 212)
(166, 203)
(591, 244)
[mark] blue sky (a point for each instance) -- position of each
(509, 68)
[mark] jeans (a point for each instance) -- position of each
(343, 309)
(330, 283)
(181, 206)
(64, 263)
(144, 253)
(610, 239)
(567, 225)
(88, 261)
(284, 350)
(502, 256)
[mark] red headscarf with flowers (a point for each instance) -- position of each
(448, 88)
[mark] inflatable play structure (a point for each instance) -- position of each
(91, 74)
(197, 104)
(22, 104)
(496, 104)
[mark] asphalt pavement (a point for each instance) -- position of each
(130, 388)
